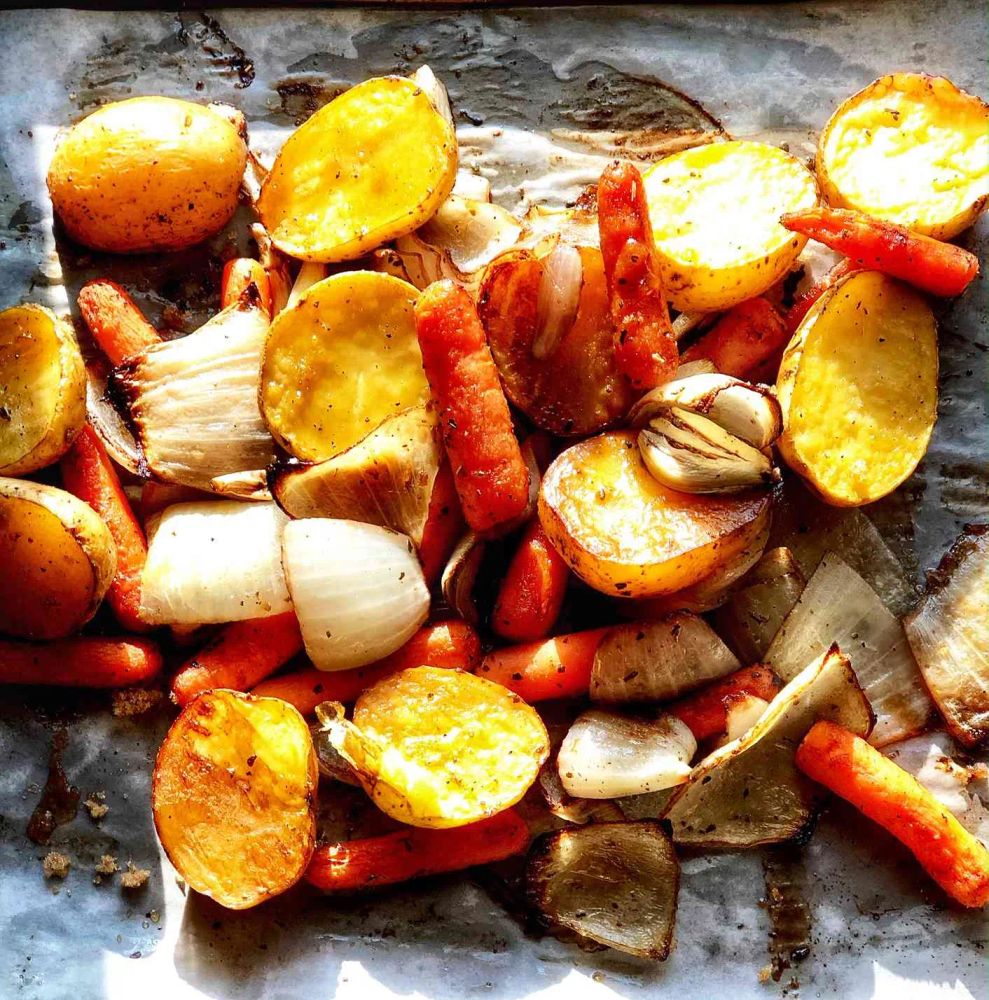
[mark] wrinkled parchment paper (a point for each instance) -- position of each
(771, 72)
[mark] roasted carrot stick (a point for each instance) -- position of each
(412, 853)
(240, 656)
(802, 304)
(554, 668)
(743, 340)
(488, 469)
(83, 661)
(452, 644)
(646, 351)
(88, 473)
(445, 525)
(705, 711)
(894, 799)
(532, 592)
(237, 275)
(936, 267)
(116, 323)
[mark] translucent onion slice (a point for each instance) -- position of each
(110, 426)
(838, 606)
(613, 883)
(574, 810)
(606, 755)
(754, 612)
(949, 635)
(357, 588)
(659, 660)
(557, 299)
(214, 561)
(749, 791)
(742, 712)
(460, 577)
(194, 401)
(309, 274)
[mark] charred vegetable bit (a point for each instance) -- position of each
(237, 275)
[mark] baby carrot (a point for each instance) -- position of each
(88, 473)
(116, 323)
(553, 668)
(489, 471)
(444, 526)
(237, 275)
(802, 304)
(82, 661)
(646, 351)
(240, 656)
(895, 800)
(705, 711)
(936, 267)
(745, 338)
(414, 852)
(532, 592)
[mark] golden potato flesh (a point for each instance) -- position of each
(42, 389)
(911, 149)
(858, 389)
(233, 796)
(444, 748)
(628, 536)
(339, 362)
(57, 560)
(151, 173)
(715, 214)
(372, 165)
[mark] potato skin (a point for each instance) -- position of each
(150, 173)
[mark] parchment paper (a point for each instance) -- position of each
(773, 71)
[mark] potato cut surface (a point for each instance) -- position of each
(858, 389)
(373, 164)
(715, 213)
(911, 149)
(341, 361)
(628, 536)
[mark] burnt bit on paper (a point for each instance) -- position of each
(59, 800)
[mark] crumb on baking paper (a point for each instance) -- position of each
(107, 865)
(135, 701)
(180, 882)
(134, 877)
(96, 805)
(765, 974)
(55, 865)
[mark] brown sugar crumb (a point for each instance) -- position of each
(55, 865)
(135, 701)
(96, 805)
(134, 877)
(765, 974)
(107, 865)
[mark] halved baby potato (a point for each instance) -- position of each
(57, 560)
(858, 389)
(442, 748)
(911, 149)
(628, 536)
(373, 164)
(340, 361)
(233, 796)
(715, 213)
(42, 388)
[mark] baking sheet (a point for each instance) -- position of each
(773, 71)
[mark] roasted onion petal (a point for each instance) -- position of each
(109, 424)
(460, 576)
(838, 606)
(557, 299)
(949, 635)
(249, 485)
(749, 791)
(613, 883)
(574, 810)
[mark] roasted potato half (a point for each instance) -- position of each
(151, 173)
(372, 165)
(628, 536)
(912, 149)
(42, 389)
(57, 560)
(858, 389)
(339, 362)
(233, 796)
(715, 213)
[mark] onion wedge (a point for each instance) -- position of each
(193, 402)
(606, 755)
(949, 635)
(357, 589)
(613, 883)
(574, 810)
(838, 606)
(214, 561)
(656, 661)
(749, 792)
